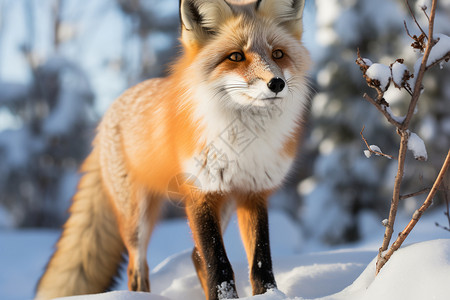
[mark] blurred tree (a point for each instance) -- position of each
(48, 119)
(154, 25)
(41, 155)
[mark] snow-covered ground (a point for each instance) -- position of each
(303, 269)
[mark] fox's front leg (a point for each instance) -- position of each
(211, 261)
(254, 227)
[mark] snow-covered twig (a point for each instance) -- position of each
(404, 134)
(378, 77)
(422, 70)
(416, 216)
(383, 109)
(373, 148)
(446, 58)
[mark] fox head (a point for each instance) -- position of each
(245, 54)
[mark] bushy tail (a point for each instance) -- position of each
(89, 251)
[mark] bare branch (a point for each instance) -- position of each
(445, 58)
(424, 43)
(422, 191)
(395, 199)
(424, 9)
(407, 31)
(443, 227)
(447, 204)
(414, 18)
(417, 214)
(402, 130)
(418, 84)
(382, 109)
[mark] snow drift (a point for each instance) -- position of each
(419, 271)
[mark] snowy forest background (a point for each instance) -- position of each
(62, 63)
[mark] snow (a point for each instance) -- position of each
(416, 272)
(424, 276)
(367, 61)
(398, 72)
(417, 146)
(304, 267)
(121, 295)
(375, 148)
(380, 72)
(396, 118)
(408, 275)
(226, 290)
(412, 80)
(440, 49)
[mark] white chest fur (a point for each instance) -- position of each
(244, 149)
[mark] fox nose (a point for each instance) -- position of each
(276, 85)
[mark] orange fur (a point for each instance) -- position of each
(247, 209)
(90, 248)
(169, 131)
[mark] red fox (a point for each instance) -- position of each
(225, 125)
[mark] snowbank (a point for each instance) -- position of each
(419, 271)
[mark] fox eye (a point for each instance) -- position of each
(236, 56)
(277, 54)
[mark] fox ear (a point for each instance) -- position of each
(201, 18)
(288, 13)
